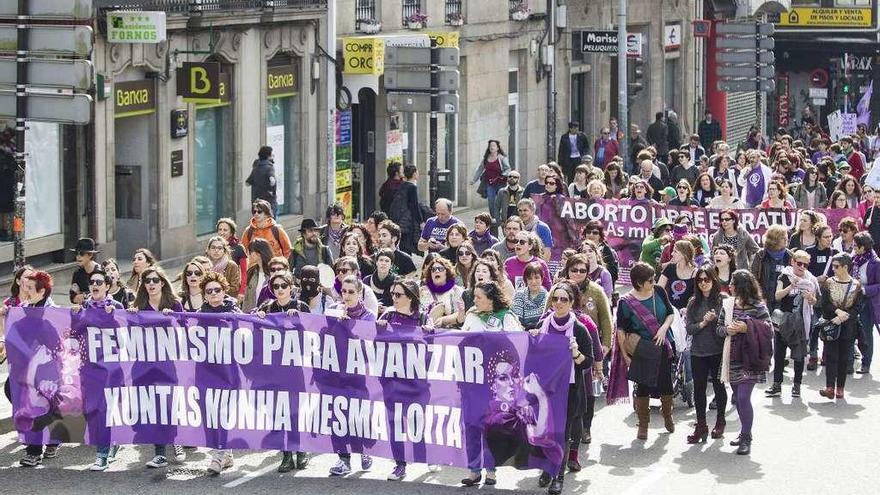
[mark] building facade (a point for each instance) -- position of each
(153, 170)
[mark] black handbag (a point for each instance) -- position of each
(827, 330)
(481, 189)
(645, 366)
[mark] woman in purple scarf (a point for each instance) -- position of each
(866, 269)
(563, 321)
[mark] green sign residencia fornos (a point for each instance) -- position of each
(135, 27)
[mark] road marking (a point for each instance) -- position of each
(645, 484)
(249, 476)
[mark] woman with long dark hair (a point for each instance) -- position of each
(594, 230)
(851, 189)
(746, 358)
(810, 193)
(140, 261)
(706, 190)
(724, 263)
(706, 349)
(259, 256)
(841, 296)
(563, 321)
(353, 245)
(226, 228)
(805, 238)
(380, 281)
(615, 180)
(492, 170)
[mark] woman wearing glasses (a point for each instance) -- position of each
(593, 302)
(737, 237)
(220, 255)
(706, 349)
(684, 195)
(156, 294)
(347, 266)
(594, 231)
(353, 307)
(795, 295)
(191, 289)
(467, 257)
(563, 321)
(285, 303)
(811, 192)
(523, 254)
(404, 313)
(841, 296)
(440, 297)
(214, 292)
(777, 196)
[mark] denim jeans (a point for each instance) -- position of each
(491, 198)
(103, 450)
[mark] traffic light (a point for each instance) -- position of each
(845, 87)
(636, 76)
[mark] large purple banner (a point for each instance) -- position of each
(307, 383)
(628, 223)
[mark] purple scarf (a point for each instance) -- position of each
(861, 259)
(358, 312)
(441, 289)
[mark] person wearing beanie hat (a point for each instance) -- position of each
(652, 246)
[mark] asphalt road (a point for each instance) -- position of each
(807, 445)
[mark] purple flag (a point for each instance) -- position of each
(307, 383)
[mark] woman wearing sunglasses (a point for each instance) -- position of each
(594, 231)
(593, 301)
(404, 313)
(527, 244)
(352, 307)
(564, 322)
(841, 297)
(467, 256)
(285, 303)
(191, 288)
(706, 348)
(345, 267)
(155, 293)
(440, 297)
(98, 298)
(214, 292)
(796, 293)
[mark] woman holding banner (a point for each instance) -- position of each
(285, 303)
(353, 307)
(404, 313)
(644, 344)
(563, 321)
(491, 311)
(439, 296)
(214, 292)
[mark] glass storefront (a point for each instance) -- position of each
(213, 158)
(283, 114)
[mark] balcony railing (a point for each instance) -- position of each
(454, 12)
(365, 13)
(199, 6)
(411, 7)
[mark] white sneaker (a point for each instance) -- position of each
(220, 463)
(101, 464)
(434, 468)
(159, 461)
(179, 453)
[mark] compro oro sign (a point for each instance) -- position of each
(816, 17)
(133, 98)
(135, 27)
(363, 55)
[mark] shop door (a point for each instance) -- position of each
(209, 168)
(364, 152)
(136, 201)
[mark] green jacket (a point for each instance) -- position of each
(652, 248)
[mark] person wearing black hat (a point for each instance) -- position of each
(308, 248)
(572, 146)
(85, 257)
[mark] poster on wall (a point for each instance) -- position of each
(275, 139)
(343, 162)
(394, 146)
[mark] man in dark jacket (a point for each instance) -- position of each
(658, 135)
(673, 130)
(637, 143)
(572, 146)
(389, 188)
(262, 179)
(709, 131)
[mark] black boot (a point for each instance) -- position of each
(556, 486)
(302, 460)
(544, 479)
(287, 463)
(745, 445)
